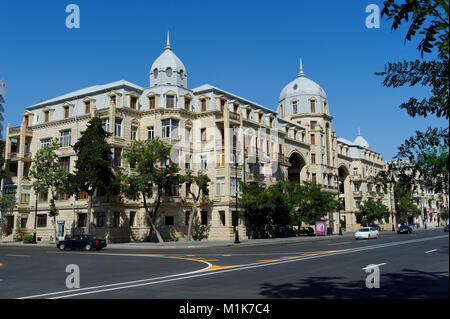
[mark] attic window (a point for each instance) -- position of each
(113, 100)
(87, 107)
(133, 102)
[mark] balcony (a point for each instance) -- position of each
(254, 177)
(357, 194)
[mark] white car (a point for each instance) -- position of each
(366, 233)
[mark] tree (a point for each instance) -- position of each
(427, 152)
(93, 170)
(7, 200)
(405, 209)
(148, 160)
(372, 210)
(312, 203)
(201, 181)
(49, 176)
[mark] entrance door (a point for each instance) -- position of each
(60, 231)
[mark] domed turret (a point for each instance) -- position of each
(303, 96)
(168, 69)
(361, 141)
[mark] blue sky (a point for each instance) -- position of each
(250, 48)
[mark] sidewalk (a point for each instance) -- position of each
(192, 244)
(208, 244)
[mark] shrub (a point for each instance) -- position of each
(27, 239)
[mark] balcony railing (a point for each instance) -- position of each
(14, 130)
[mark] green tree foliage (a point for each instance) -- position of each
(426, 153)
(284, 204)
(372, 210)
(150, 172)
(202, 183)
(312, 203)
(48, 176)
(93, 170)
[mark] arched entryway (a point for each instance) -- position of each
(343, 188)
(296, 170)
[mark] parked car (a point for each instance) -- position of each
(367, 233)
(378, 227)
(306, 231)
(404, 229)
(446, 228)
(86, 242)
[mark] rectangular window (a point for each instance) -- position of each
(169, 221)
(203, 105)
(187, 161)
(222, 105)
(203, 134)
(204, 217)
(151, 102)
(42, 220)
(294, 107)
(43, 197)
(356, 187)
(64, 163)
(313, 106)
(24, 198)
(113, 100)
(26, 121)
(116, 219)
(280, 149)
(132, 218)
(233, 184)
(46, 116)
(62, 196)
(100, 219)
(23, 222)
(313, 139)
(87, 107)
(313, 124)
(66, 112)
(117, 157)
(203, 162)
(45, 142)
(220, 186)
(170, 102)
(118, 127)
(169, 128)
(83, 194)
(222, 217)
(105, 124)
(82, 220)
(187, 104)
(186, 218)
(221, 159)
(313, 158)
(150, 133)
(65, 138)
(133, 133)
(187, 136)
(314, 178)
(133, 102)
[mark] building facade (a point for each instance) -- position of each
(210, 130)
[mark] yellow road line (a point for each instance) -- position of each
(268, 260)
(215, 267)
(190, 255)
(227, 255)
(211, 260)
(290, 257)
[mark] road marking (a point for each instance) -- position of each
(201, 273)
(373, 266)
(190, 255)
(430, 251)
(345, 242)
(10, 255)
(289, 257)
(216, 267)
(268, 260)
(1, 265)
(227, 255)
(211, 260)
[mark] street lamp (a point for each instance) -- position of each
(339, 182)
(236, 234)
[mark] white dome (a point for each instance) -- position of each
(361, 141)
(302, 86)
(168, 69)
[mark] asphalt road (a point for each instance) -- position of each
(410, 266)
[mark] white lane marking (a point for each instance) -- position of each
(11, 255)
(127, 282)
(345, 242)
(220, 271)
(373, 266)
(430, 251)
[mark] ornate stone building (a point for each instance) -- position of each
(208, 128)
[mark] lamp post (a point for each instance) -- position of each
(339, 204)
(236, 234)
(35, 220)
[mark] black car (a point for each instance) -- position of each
(404, 230)
(446, 228)
(87, 242)
(377, 227)
(306, 231)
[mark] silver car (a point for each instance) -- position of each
(366, 233)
